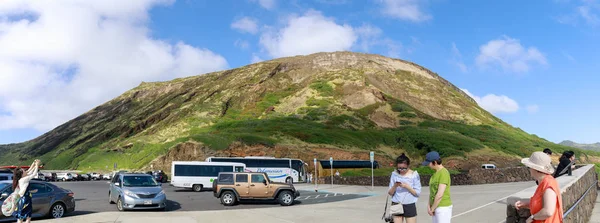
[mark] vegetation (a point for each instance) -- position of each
(422, 170)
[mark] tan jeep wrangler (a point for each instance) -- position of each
(232, 187)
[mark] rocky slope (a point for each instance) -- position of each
(338, 104)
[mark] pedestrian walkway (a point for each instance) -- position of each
(478, 203)
(596, 212)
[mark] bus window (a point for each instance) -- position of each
(239, 169)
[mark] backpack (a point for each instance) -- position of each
(10, 204)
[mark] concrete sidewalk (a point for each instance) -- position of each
(596, 212)
(481, 203)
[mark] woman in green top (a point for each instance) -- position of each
(440, 205)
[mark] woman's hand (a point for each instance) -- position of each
(529, 220)
(521, 204)
(430, 212)
(406, 186)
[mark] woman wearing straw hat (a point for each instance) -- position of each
(546, 203)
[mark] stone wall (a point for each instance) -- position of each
(474, 176)
(572, 188)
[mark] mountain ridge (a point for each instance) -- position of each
(340, 104)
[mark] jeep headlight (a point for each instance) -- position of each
(131, 194)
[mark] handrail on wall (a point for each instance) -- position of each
(580, 199)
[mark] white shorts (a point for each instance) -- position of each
(442, 215)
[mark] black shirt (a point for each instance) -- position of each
(563, 163)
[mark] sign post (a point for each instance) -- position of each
(316, 177)
(331, 165)
(372, 156)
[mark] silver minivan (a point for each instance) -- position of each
(133, 191)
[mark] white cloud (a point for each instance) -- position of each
(509, 54)
(256, 59)
(531, 109)
(586, 12)
(242, 44)
(371, 36)
(267, 4)
(569, 57)
(306, 34)
(410, 10)
(59, 59)
(457, 59)
(245, 24)
(495, 103)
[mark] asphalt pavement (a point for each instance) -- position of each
(92, 197)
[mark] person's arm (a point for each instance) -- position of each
(33, 173)
(393, 186)
(415, 189)
(438, 196)
(549, 205)
(30, 170)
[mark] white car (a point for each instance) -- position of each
(41, 176)
(64, 176)
(96, 176)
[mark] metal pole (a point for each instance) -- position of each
(331, 176)
(316, 178)
(372, 181)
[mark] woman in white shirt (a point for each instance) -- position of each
(21, 180)
(405, 188)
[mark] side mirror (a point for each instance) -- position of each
(159, 184)
(4, 195)
(117, 184)
(265, 182)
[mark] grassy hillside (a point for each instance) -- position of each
(328, 104)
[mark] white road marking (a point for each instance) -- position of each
(335, 194)
(326, 195)
(317, 196)
(480, 207)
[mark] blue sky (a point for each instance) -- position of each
(531, 63)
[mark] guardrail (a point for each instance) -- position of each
(579, 200)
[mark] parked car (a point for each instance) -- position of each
(160, 176)
(6, 176)
(136, 191)
(41, 177)
(49, 176)
(48, 199)
(64, 177)
(231, 187)
(85, 177)
(107, 176)
(96, 176)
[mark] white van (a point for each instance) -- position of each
(198, 175)
(488, 166)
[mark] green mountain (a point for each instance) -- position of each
(593, 147)
(340, 104)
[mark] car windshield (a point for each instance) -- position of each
(139, 181)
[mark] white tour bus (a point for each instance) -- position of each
(278, 169)
(198, 175)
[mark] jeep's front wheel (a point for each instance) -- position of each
(286, 198)
(228, 198)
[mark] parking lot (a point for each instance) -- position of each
(92, 197)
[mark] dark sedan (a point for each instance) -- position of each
(48, 199)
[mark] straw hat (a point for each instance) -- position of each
(539, 161)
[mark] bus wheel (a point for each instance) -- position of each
(197, 187)
(289, 180)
